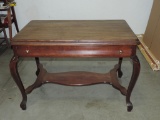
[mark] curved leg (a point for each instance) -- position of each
(135, 74)
(17, 79)
(120, 73)
(37, 63)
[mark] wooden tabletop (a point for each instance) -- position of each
(76, 31)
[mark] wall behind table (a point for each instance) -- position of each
(135, 12)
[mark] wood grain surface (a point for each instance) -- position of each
(115, 32)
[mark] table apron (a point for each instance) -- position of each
(75, 51)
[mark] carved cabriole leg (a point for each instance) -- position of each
(120, 73)
(17, 79)
(37, 63)
(135, 74)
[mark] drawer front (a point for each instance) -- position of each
(75, 51)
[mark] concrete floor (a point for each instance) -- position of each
(97, 102)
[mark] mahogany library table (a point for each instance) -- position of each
(76, 38)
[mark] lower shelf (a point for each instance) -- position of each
(78, 78)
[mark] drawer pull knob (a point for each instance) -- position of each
(120, 52)
(27, 51)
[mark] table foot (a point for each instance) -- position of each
(129, 106)
(23, 105)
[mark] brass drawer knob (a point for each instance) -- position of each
(120, 52)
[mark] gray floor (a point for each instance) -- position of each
(97, 102)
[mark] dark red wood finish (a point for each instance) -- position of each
(72, 38)
(76, 50)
